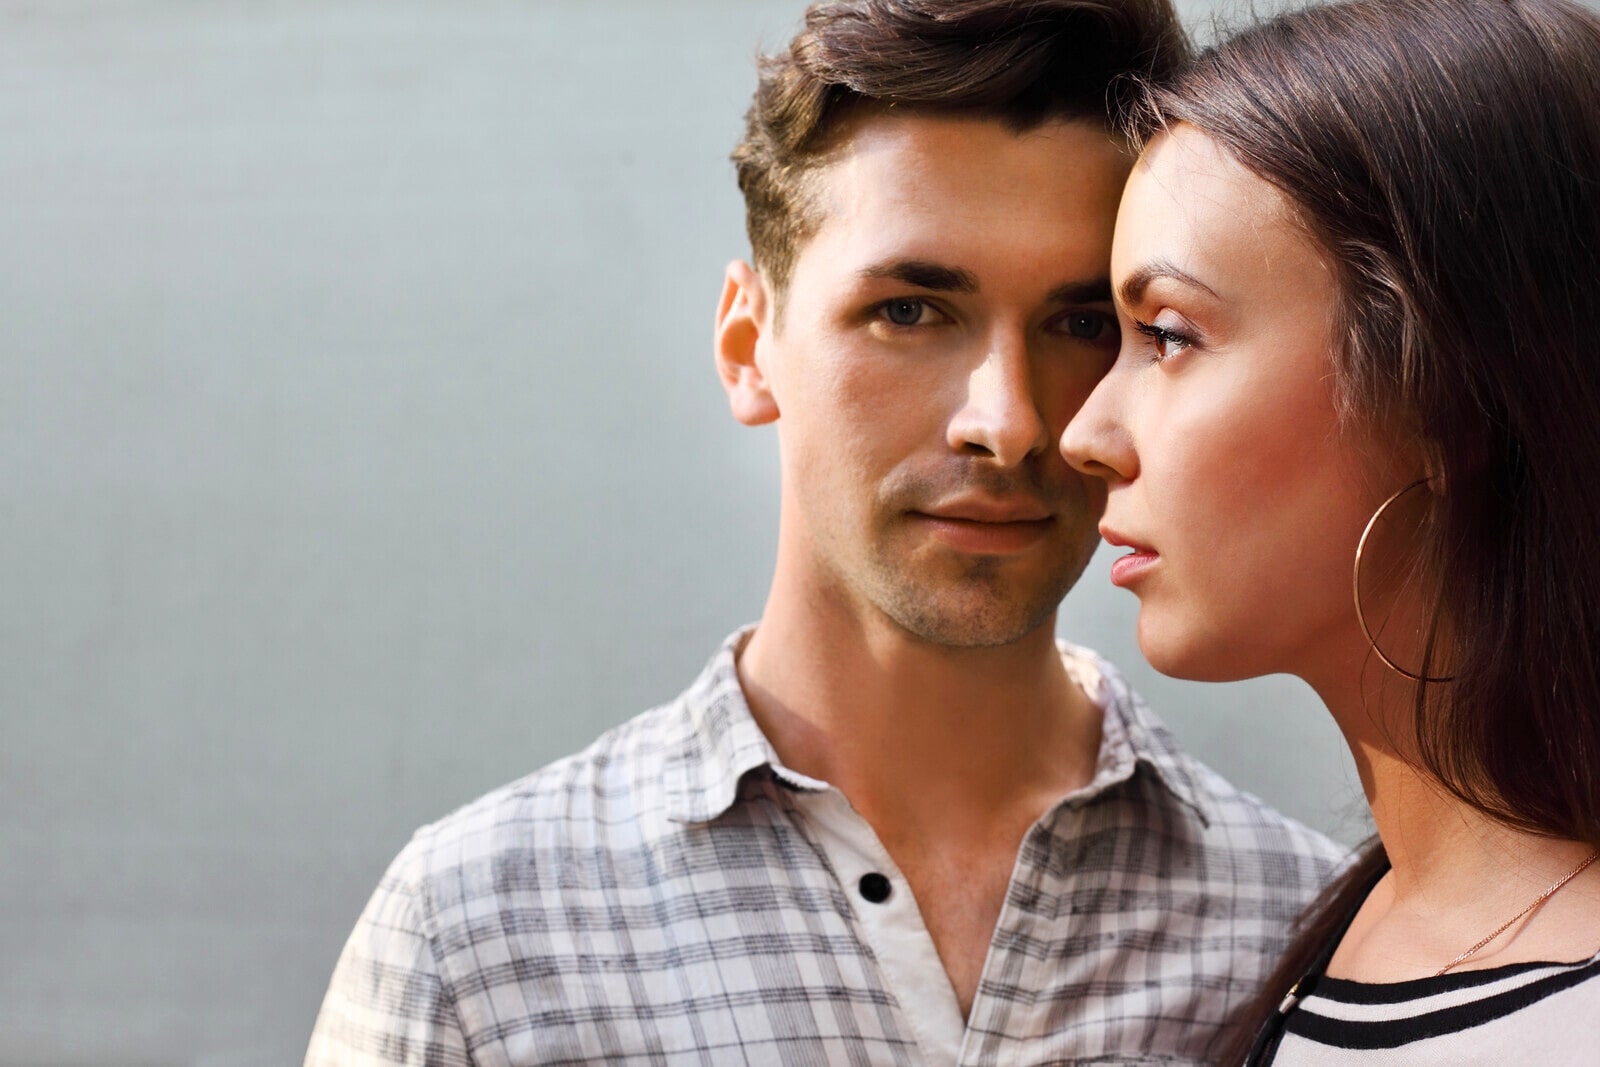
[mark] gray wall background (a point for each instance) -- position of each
(360, 450)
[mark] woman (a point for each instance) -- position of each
(1358, 272)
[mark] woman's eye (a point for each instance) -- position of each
(1168, 343)
(904, 311)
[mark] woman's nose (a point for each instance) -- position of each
(1096, 441)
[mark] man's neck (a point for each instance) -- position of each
(949, 754)
(921, 738)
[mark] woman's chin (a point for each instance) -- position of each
(1190, 657)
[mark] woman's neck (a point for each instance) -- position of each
(1457, 874)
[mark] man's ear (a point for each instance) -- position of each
(741, 318)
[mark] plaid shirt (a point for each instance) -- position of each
(674, 895)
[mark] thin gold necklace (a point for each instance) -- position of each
(1509, 923)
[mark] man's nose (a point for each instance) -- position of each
(1000, 417)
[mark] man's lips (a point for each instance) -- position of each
(987, 527)
(974, 510)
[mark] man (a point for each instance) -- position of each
(893, 822)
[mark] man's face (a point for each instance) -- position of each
(946, 320)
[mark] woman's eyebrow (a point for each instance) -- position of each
(1134, 285)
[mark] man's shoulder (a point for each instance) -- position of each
(583, 800)
(1261, 843)
(1263, 838)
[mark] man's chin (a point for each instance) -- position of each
(961, 600)
(971, 622)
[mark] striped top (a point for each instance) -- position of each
(1534, 1013)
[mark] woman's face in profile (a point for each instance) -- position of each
(1235, 496)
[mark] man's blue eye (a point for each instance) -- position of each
(1087, 326)
(904, 312)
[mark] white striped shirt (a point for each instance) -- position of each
(1534, 1013)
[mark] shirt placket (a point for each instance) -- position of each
(889, 922)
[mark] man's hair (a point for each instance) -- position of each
(1023, 62)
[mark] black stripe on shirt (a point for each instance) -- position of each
(1392, 1033)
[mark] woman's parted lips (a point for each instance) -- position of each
(1119, 540)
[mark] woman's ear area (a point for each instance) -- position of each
(743, 316)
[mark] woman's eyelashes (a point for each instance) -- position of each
(1168, 342)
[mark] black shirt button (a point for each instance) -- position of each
(875, 888)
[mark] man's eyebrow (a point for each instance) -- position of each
(939, 278)
(924, 275)
(1134, 285)
(1094, 291)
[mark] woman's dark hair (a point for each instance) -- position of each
(1447, 155)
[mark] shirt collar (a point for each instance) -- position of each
(1131, 737)
(715, 741)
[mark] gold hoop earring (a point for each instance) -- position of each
(1361, 617)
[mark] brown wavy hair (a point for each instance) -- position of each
(1446, 153)
(1020, 61)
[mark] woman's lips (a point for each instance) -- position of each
(1126, 570)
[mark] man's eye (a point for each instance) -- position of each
(904, 311)
(1087, 325)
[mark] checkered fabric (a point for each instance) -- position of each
(660, 898)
